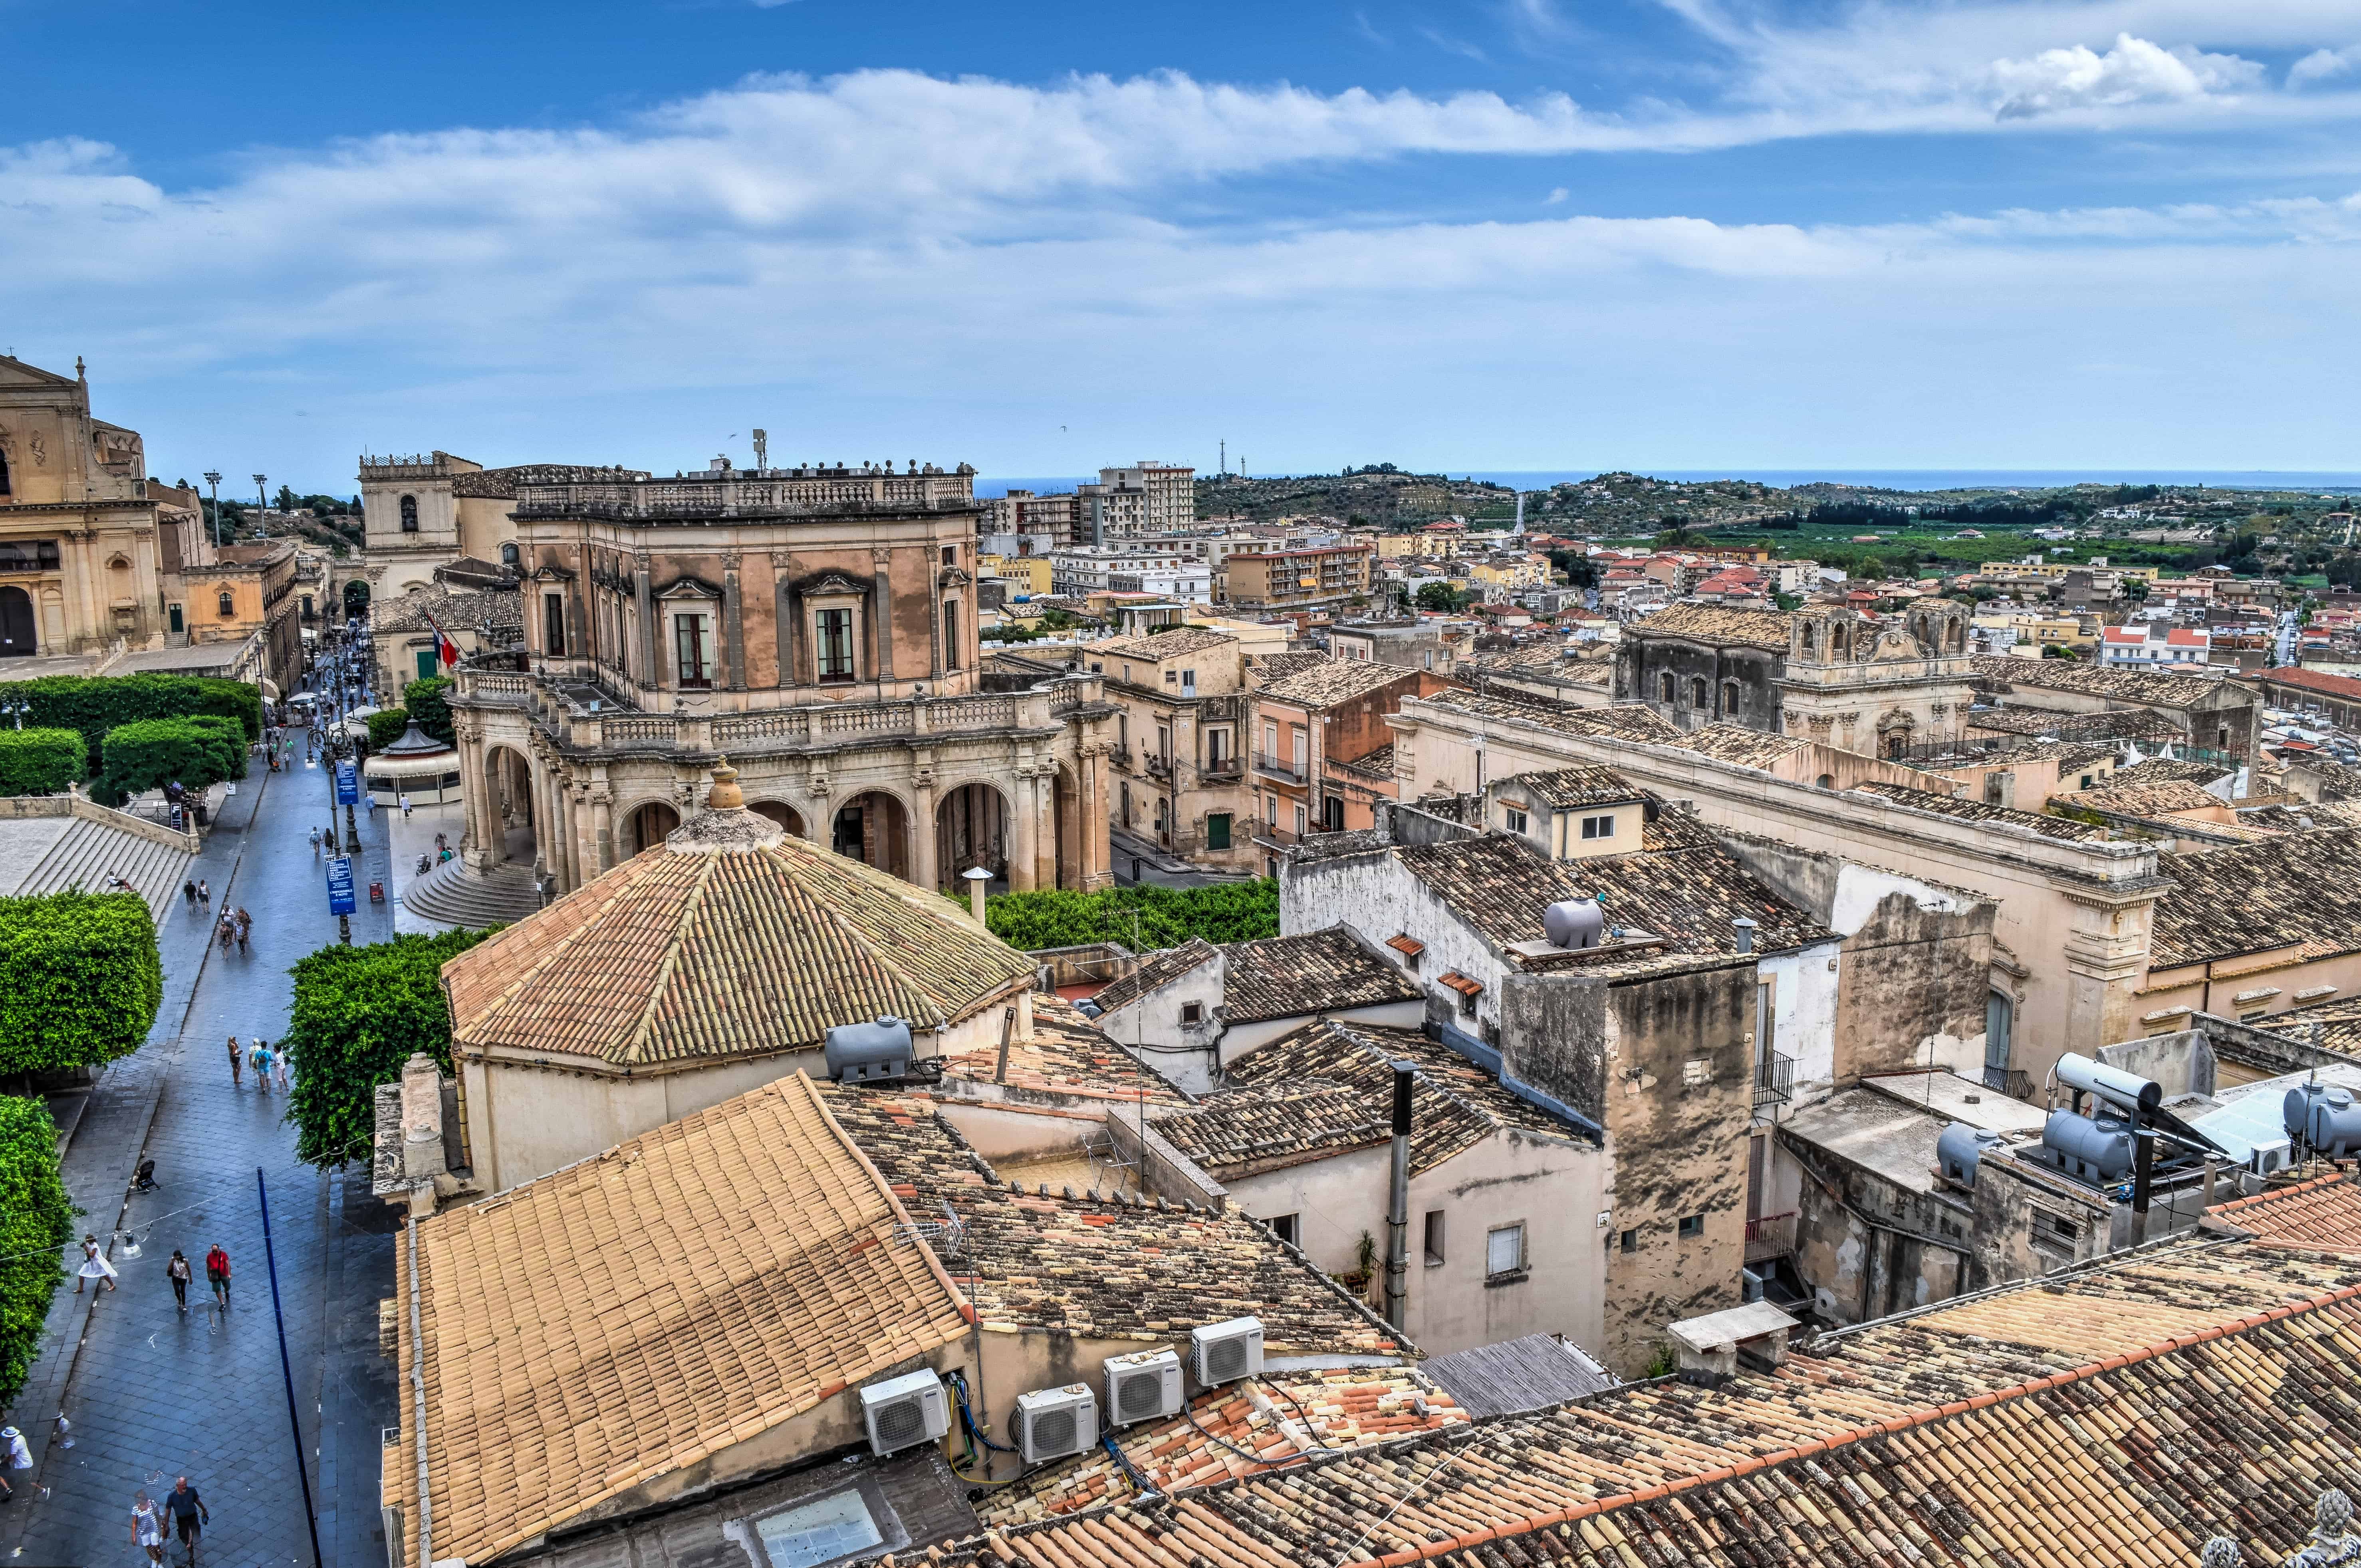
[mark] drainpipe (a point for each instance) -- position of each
(418, 1394)
(1397, 1207)
(2143, 1170)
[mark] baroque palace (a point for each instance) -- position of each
(817, 627)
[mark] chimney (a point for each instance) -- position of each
(421, 1118)
(1398, 1205)
(1745, 930)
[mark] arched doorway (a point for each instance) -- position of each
(356, 597)
(507, 806)
(874, 829)
(778, 811)
(646, 829)
(971, 829)
(19, 639)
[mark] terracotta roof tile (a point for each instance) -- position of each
(2323, 1214)
(1067, 1056)
(2148, 688)
(2291, 890)
(1337, 681)
(1977, 811)
(1313, 971)
(1631, 721)
(1715, 623)
(1588, 784)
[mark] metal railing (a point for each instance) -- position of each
(2009, 1080)
(1230, 767)
(1278, 767)
(1772, 1235)
(1774, 1080)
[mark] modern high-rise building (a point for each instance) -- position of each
(1145, 498)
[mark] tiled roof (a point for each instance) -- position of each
(1267, 667)
(1110, 1268)
(1715, 623)
(1586, 783)
(1313, 971)
(1736, 743)
(1272, 1417)
(1977, 811)
(2158, 770)
(488, 609)
(1377, 764)
(678, 955)
(1164, 644)
(2322, 1215)
(2156, 797)
(2334, 1025)
(1067, 1056)
(2145, 687)
(1337, 681)
(1328, 1086)
(630, 1315)
(2295, 890)
(1631, 720)
(1155, 972)
(2115, 1416)
(2125, 724)
(2319, 681)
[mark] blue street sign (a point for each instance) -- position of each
(348, 785)
(340, 885)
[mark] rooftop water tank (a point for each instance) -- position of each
(2095, 1151)
(858, 1053)
(1960, 1149)
(2112, 1084)
(1573, 923)
(2325, 1116)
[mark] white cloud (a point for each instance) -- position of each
(2133, 71)
(2322, 64)
(1555, 196)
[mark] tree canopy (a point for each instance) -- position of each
(36, 1224)
(1165, 917)
(425, 701)
(41, 761)
(199, 750)
(80, 980)
(359, 1013)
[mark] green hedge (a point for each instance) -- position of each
(96, 703)
(1167, 917)
(41, 761)
(199, 750)
(359, 1013)
(36, 1224)
(80, 980)
(424, 699)
(386, 727)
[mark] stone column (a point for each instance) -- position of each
(1045, 826)
(880, 617)
(1091, 826)
(784, 608)
(926, 869)
(1024, 829)
(575, 820)
(602, 827)
(733, 622)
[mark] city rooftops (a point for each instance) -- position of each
(1272, 977)
(2295, 890)
(1169, 644)
(1583, 783)
(1334, 682)
(1718, 624)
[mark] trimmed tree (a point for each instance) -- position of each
(36, 1224)
(93, 705)
(424, 701)
(359, 1013)
(386, 727)
(1165, 917)
(80, 980)
(41, 761)
(200, 751)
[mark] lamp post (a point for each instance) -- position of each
(214, 481)
(19, 708)
(262, 505)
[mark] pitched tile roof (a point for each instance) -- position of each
(1265, 668)
(680, 955)
(2119, 1415)
(1717, 623)
(2320, 681)
(495, 609)
(1377, 764)
(1067, 1056)
(1631, 721)
(2156, 797)
(2333, 1025)
(1164, 644)
(2121, 724)
(1328, 1086)
(2157, 770)
(1584, 784)
(2295, 890)
(1977, 811)
(1736, 743)
(1313, 971)
(2151, 687)
(630, 1315)
(1337, 681)
(1108, 1267)
(2322, 1215)
(1155, 972)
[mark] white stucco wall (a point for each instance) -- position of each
(1804, 1009)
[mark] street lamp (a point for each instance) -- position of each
(214, 480)
(19, 708)
(262, 505)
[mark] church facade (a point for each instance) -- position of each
(816, 626)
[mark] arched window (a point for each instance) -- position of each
(508, 556)
(1811, 638)
(1664, 687)
(228, 605)
(410, 514)
(1696, 692)
(1728, 699)
(1826, 781)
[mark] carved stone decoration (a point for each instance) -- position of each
(2332, 1541)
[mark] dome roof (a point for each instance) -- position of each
(734, 939)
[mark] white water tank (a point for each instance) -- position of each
(1573, 923)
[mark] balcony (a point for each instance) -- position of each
(1158, 765)
(1223, 769)
(1278, 768)
(1772, 1235)
(2010, 1081)
(1774, 1080)
(1121, 757)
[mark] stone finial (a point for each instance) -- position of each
(2331, 1517)
(725, 795)
(2219, 1553)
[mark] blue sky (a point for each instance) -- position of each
(1474, 234)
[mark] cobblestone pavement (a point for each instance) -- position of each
(153, 1392)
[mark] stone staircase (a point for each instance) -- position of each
(451, 894)
(89, 851)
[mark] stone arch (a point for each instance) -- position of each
(1731, 691)
(506, 816)
(410, 514)
(1665, 686)
(873, 827)
(1700, 696)
(645, 825)
(972, 829)
(19, 630)
(1826, 781)
(356, 597)
(780, 812)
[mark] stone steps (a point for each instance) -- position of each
(451, 894)
(88, 853)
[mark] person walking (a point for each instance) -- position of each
(147, 1527)
(217, 1274)
(236, 1064)
(189, 1513)
(189, 891)
(204, 894)
(180, 1273)
(280, 1068)
(93, 1265)
(245, 925)
(260, 1062)
(316, 843)
(405, 805)
(18, 1455)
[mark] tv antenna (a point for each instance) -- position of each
(762, 449)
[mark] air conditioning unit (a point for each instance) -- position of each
(1142, 1387)
(1223, 1353)
(1054, 1422)
(904, 1410)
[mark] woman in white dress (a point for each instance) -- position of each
(147, 1527)
(93, 1266)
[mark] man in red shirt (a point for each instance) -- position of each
(218, 1271)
